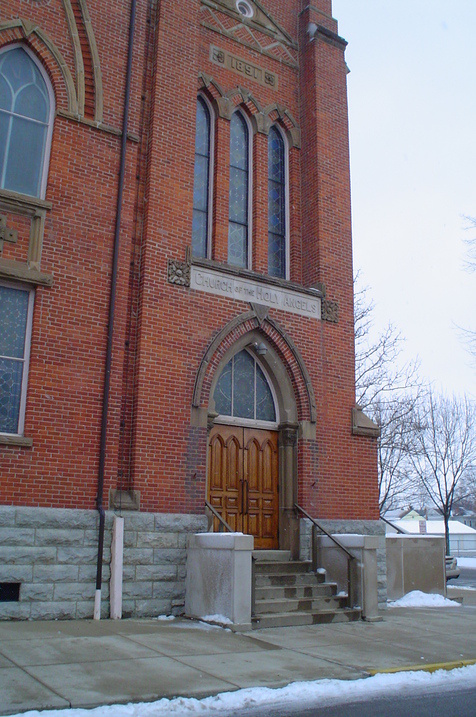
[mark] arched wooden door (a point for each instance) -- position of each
(243, 481)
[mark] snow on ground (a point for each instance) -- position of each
(221, 619)
(418, 599)
(325, 692)
(467, 563)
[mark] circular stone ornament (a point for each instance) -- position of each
(244, 8)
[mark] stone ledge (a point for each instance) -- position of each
(7, 440)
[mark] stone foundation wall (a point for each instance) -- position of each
(359, 527)
(52, 553)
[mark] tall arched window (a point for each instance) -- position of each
(277, 245)
(201, 184)
(239, 213)
(243, 392)
(26, 111)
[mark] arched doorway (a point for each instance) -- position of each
(243, 464)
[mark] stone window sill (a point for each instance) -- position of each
(12, 440)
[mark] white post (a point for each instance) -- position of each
(97, 605)
(117, 555)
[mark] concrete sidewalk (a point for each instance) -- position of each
(86, 663)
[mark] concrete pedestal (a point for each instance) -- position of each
(415, 562)
(218, 579)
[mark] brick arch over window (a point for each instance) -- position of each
(277, 114)
(282, 344)
(21, 31)
(262, 117)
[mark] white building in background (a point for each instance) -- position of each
(462, 537)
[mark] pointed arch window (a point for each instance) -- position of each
(26, 119)
(277, 219)
(239, 202)
(243, 391)
(202, 186)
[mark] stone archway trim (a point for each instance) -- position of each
(219, 338)
(282, 342)
(20, 29)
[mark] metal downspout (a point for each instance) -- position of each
(110, 330)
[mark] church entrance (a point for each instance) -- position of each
(243, 481)
(243, 466)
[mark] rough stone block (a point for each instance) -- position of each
(128, 607)
(183, 540)
(91, 538)
(27, 556)
(163, 591)
(37, 592)
(129, 572)
(16, 573)
(130, 539)
(55, 573)
(179, 523)
(152, 608)
(53, 610)
(88, 572)
(157, 540)
(15, 610)
(174, 556)
(139, 521)
(77, 556)
(138, 556)
(137, 590)
(59, 537)
(156, 572)
(7, 516)
(77, 591)
(14, 536)
(56, 518)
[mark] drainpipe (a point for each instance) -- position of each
(110, 329)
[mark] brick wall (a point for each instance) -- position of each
(163, 331)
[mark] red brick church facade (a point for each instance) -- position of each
(230, 347)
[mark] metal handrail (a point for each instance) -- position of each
(395, 527)
(221, 520)
(349, 556)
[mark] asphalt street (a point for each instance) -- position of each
(467, 578)
(441, 703)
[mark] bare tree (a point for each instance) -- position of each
(443, 452)
(394, 416)
(388, 391)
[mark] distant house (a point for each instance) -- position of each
(462, 537)
(467, 517)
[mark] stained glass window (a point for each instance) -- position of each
(201, 180)
(239, 182)
(276, 205)
(24, 122)
(14, 326)
(242, 391)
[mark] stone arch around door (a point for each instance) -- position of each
(294, 397)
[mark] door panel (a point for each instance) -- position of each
(261, 461)
(225, 474)
(243, 481)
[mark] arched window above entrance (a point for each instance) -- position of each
(243, 392)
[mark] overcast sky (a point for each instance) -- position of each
(412, 114)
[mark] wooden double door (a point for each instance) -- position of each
(243, 481)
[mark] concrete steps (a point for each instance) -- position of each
(288, 593)
(295, 619)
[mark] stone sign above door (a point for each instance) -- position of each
(244, 289)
